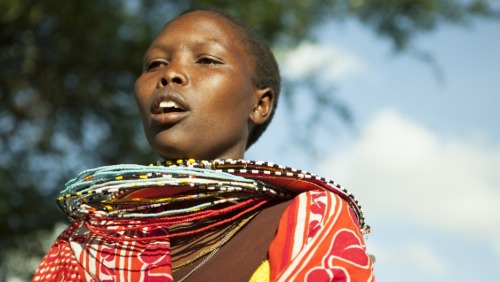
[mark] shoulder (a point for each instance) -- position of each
(320, 207)
(59, 263)
(318, 234)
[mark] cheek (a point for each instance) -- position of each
(142, 98)
(140, 91)
(231, 91)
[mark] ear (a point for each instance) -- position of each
(263, 106)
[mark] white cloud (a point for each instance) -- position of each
(328, 61)
(425, 258)
(420, 256)
(400, 170)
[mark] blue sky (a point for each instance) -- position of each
(424, 157)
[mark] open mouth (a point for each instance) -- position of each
(169, 107)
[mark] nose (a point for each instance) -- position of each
(173, 76)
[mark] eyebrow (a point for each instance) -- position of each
(196, 44)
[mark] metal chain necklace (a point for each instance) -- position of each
(209, 256)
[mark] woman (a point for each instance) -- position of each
(208, 90)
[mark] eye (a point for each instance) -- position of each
(153, 65)
(209, 61)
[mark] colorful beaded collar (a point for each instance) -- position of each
(130, 191)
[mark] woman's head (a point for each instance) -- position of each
(208, 88)
(265, 71)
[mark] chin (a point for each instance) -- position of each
(176, 153)
(169, 154)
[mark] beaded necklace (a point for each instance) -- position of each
(185, 198)
(131, 191)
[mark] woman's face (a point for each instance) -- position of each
(195, 93)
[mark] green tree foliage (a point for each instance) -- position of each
(67, 74)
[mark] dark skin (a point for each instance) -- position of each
(197, 100)
(195, 94)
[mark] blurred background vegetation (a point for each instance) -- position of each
(66, 88)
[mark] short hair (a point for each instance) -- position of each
(265, 69)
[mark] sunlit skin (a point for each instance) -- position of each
(195, 93)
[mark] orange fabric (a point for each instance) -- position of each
(318, 239)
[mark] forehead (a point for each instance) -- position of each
(201, 26)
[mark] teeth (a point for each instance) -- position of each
(168, 104)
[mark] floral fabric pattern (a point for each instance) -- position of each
(319, 239)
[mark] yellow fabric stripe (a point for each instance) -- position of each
(262, 274)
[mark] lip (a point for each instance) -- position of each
(160, 117)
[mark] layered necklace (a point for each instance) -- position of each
(186, 200)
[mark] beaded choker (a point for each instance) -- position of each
(179, 193)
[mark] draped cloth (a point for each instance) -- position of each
(319, 237)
